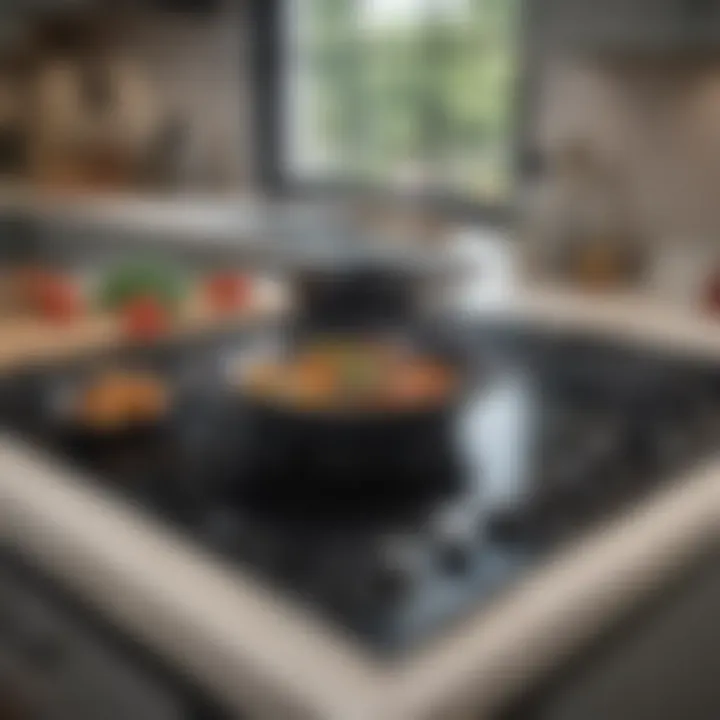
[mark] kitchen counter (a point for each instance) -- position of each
(632, 315)
(27, 338)
(263, 656)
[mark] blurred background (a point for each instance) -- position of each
(588, 134)
(147, 96)
(499, 218)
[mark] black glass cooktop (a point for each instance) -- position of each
(562, 433)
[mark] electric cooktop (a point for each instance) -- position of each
(563, 433)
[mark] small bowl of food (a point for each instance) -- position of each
(113, 402)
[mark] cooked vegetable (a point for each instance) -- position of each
(116, 400)
(145, 318)
(58, 298)
(228, 291)
(355, 375)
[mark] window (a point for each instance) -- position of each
(401, 94)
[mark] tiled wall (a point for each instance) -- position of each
(659, 124)
(199, 66)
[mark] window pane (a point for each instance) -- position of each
(392, 91)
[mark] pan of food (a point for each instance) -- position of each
(110, 403)
(345, 416)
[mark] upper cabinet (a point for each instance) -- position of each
(628, 27)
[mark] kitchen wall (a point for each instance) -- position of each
(199, 66)
(659, 121)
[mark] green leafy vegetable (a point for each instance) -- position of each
(135, 279)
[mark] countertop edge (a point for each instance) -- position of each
(216, 623)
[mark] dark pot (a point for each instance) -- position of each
(356, 298)
(329, 461)
(366, 459)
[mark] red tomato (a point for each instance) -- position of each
(57, 298)
(227, 291)
(145, 318)
(712, 295)
(34, 280)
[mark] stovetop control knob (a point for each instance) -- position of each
(455, 556)
(456, 532)
(399, 567)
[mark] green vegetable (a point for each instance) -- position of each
(359, 373)
(123, 283)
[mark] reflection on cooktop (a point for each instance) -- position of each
(562, 433)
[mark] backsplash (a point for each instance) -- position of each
(198, 65)
(660, 126)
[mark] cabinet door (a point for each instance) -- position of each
(663, 666)
(700, 22)
(629, 25)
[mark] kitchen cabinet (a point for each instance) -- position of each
(663, 665)
(632, 27)
(59, 662)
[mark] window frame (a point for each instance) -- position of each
(267, 78)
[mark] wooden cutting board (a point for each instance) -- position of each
(27, 339)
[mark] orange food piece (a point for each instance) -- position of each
(228, 291)
(117, 400)
(103, 405)
(356, 376)
(59, 299)
(419, 383)
(50, 294)
(148, 399)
